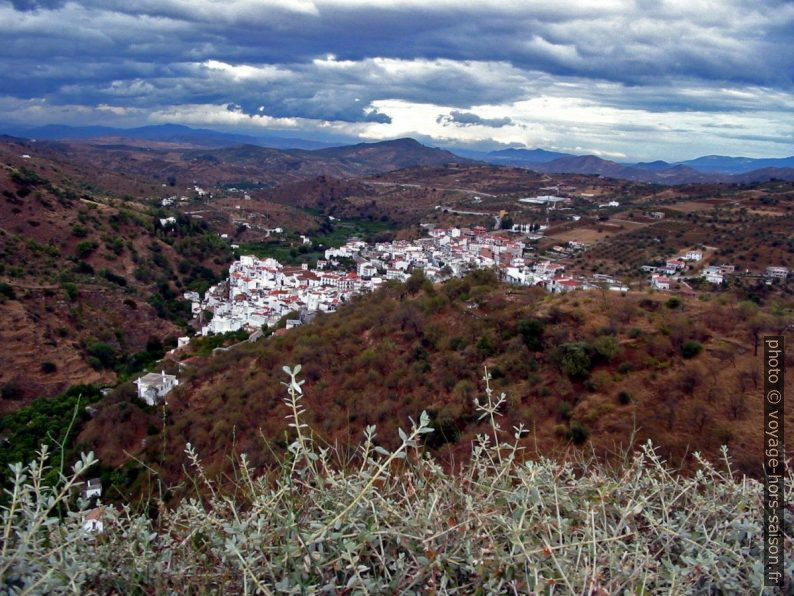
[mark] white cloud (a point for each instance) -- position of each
(243, 72)
(219, 115)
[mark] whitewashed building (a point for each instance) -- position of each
(93, 520)
(93, 488)
(693, 255)
(152, 386)
(776, 272)
(660, 282)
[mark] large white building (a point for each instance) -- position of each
(777, 272)
(543, 200)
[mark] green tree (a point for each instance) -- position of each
(691, 348)
(531, 331)
(606, 346)
(575, 361)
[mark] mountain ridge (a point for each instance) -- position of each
(366, 158)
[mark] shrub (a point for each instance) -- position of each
(79, 231)
(578, 433)
(624, 398)
(457, 343)
(691, 348)
(391, 523)
(564, 409)
(574, 361)
(673, 303)
(625, 368)
(416, 281)
(113, 277)
(7, 291)
(48, 367)
(606, 346)
(70, 289)
(11, 390)
(84, 268)
(531, 331)
(103, 354)
(85, 248)
(485, 347)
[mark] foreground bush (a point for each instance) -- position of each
(393, 522)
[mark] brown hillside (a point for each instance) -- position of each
(391, 355)
(84, 266)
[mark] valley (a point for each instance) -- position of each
(98, 268)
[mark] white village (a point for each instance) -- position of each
(260, 292)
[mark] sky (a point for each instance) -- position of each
(639, 80)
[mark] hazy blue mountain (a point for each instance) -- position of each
(522, 156)
(172, 133)
(673, 174)
(737, 165)
(654, 166)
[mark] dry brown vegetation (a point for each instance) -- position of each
(89, 279)
(607, 367)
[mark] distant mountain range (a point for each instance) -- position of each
(367, 158)
(166, 133)
(708, 169)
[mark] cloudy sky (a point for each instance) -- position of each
(642, 79)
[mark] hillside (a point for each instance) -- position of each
(91, 281)
(246, 165)
(371, 158)
(578, 369)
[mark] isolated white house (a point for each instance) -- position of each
(153, 386)
(777, 272)
(92, 520)
(660, 282)
(93, 488)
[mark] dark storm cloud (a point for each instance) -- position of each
(334, 60)
(26, 5)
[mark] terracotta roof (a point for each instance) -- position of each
(94, 514)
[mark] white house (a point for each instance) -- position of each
(660, 282)
(693, 255)
(713, 274)
(93, 488)
(153, 386)
(777, 272)
(560, 285)
(366, 269)
(92, 520)
(675, 264)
